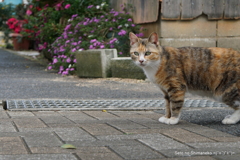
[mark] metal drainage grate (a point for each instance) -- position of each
(100, 104)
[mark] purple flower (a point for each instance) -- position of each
(85, 23)
(122, 32)
(65, 73)
(67, 41)
(90, 6)
(102, 46)
(68, 60)
(106, 20)
(74, 43)
(72, 69)
(91, 47)
(49, 67)
(55, 60)
(79, 42)
(74, 50)
(116, 14)
(110, 29)
(75, 61)
(67, 6)
(133, 25)
(61, 68)
(120, 53)
(67, 27)
(102, 16)
(130, 19)
(139, 35)
(75, 15)
(93, 40)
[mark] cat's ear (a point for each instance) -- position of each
(133, 38)
(153, 38)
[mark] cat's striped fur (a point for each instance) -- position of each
(212, 71)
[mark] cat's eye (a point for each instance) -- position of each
(136, 53)
(147, 53)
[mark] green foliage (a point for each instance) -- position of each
(6, 12)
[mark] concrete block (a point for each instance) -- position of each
(199, 27)
(95, 63)
(232, 42)
(228, 28)
(193, 42)
(124, 67)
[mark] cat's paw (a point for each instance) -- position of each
(229, 120)
(171, 120)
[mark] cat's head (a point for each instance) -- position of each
(145, 52)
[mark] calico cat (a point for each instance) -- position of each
(213, 72)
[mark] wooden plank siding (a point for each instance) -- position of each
(145, 11)
(213, 9)
(190, 9)
(232, 9)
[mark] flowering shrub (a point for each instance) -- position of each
(16, 25)
(105, 30)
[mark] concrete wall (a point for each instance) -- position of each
(199, 32)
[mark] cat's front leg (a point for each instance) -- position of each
(176, 100)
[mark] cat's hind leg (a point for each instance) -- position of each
(232, 99)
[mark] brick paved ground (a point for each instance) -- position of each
(132, 135)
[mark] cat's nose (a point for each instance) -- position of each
(141, 61)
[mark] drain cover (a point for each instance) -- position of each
(100, 104)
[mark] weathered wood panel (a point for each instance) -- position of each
(191, 9)
(213, 9)
(171, 9)
(232, 9)
(144, 11)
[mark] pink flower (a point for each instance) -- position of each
(29, 12)
(67, 6)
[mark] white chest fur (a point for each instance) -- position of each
(151, 69)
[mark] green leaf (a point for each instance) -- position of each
(68, 146)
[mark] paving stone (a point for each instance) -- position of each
(207, 132)
(191, 158)
(199, 152)
(45, 113)
(41, 139)
(226, 139)
(161, 143)
(216, 145)
(73, 134)
(141, 131)
(150, 123)
(99, 153)
(39, 157)
(100, 129)
(125, 124)
(56, 119)
(185, 136)
(136, 152)
(18, 114)
(77, 116)
(11, 145)
(3, 114)
(7, 127)
(101, 115)
(232, 157)
(129, 136)
(29, 123)
(102, 143)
